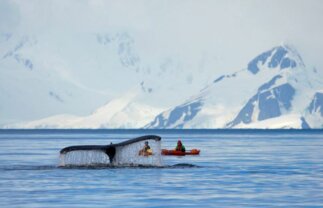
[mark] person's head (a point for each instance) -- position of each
(179, 142)
(146, 143)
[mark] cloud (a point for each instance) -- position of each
(9, 16)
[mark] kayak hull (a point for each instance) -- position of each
(180, 153)
(145, 153)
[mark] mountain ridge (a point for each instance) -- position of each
(267, 99)
(277, 83)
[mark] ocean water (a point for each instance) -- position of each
(235, 169)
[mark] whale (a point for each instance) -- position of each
(110, 149)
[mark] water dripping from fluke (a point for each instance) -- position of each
(114, 155)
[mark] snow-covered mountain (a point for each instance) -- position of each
(121, 112)
(44, 75)
(274, 91)
(55, 69)
(314, 112)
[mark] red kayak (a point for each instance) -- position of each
(180, 153)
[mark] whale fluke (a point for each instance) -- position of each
(110, 149)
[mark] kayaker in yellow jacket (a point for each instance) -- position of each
(146, 150)
(180, 146)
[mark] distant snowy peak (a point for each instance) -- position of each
(269, 102)
(276, 97)
(314, 111)
(122, 112)
(15, 50)
(176, 117)
(279, 58)
(124, 44)
(272, 87)
(282, 57)
(316, 106)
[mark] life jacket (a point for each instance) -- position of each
(147, 148)
(180, 147)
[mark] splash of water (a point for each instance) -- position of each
(127, 155)
(84, 157)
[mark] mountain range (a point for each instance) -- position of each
(275, 90)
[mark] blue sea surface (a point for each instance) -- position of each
(238, 168)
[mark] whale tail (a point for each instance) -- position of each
(123, 153)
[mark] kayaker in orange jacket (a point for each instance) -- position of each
(180, 146)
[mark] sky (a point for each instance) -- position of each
(232, 29)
